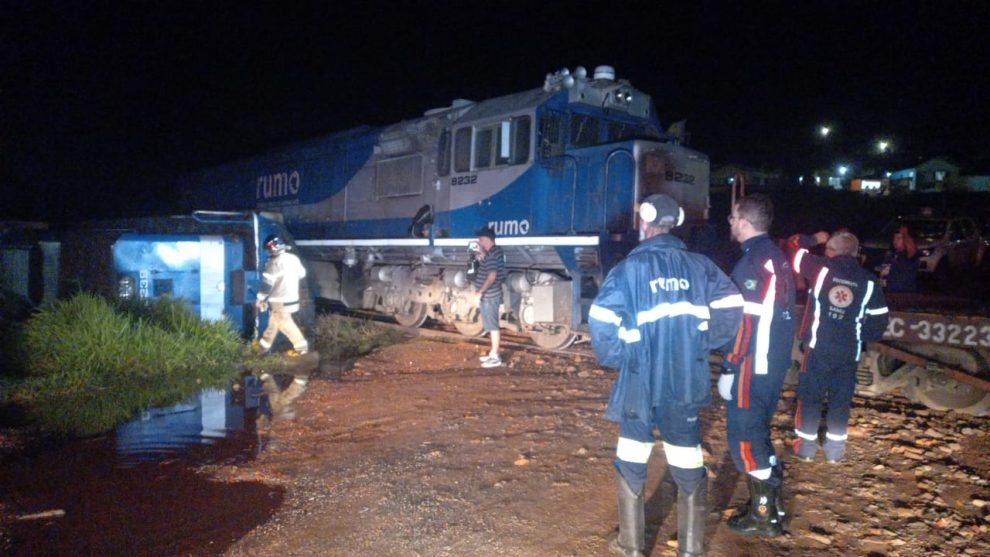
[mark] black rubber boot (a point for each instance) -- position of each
(762, 518)
(777, 473)
(692, 509)
(631, 538)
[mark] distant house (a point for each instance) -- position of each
(724, 174)
(977, 176)
(936, 174)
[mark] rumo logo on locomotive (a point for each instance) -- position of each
(278, 185)
(386, 215)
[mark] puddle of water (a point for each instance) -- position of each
(137, 491)
(213, 425)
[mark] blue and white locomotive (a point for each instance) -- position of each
(385, 218)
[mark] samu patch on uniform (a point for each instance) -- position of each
(750, 284)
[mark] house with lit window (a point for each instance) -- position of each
(936, 174)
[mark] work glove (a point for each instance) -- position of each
(725, 385)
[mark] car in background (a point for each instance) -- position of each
(945, 244)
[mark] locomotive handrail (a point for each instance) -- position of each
(608, 160)
(573, 160)
(202, 216)
(738, 180)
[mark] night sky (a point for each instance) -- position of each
(101, 108)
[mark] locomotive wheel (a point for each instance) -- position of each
(413, 316)
(941, 392)
(470, 328)
(562, 337)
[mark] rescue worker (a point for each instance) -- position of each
(756, 363)
(848, 310)
(279, 292)
(657, 315)
(488, 281)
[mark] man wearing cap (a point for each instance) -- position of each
(848, 309)
(657, 315)
(488, 284)
(756, 363)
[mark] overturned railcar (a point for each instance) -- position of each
(385, 217)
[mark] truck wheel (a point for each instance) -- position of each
(941, 392)
(553, 339)
(413, 315)
(470, 328)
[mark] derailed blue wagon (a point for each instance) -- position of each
(385, 217)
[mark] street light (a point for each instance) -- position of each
(883, 146)
(824, 131)
(843, 169)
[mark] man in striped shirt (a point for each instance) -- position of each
(488, 282)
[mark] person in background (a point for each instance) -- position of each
(899, 269)
(656, 317)
(756, 363)
(488, 281)
(848, 309)
(279, 292)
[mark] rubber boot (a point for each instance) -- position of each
(692, 509)
(777, 473)
(631, 538)
(762, 518)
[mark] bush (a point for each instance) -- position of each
(338, 338)
(91, 365)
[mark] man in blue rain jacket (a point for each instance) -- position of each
(656, 317)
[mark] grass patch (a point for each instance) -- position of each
(90, 364)
(339, 338)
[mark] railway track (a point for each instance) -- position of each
(435, 330)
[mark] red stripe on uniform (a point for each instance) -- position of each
(797, 416)
(745, 374)
(746, 451)
(747, 325)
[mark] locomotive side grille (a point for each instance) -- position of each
(400, 176)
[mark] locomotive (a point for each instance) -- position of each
(386, 218)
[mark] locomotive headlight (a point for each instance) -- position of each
(125, 288)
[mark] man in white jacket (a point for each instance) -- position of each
(280, 293)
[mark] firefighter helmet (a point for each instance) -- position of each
(274, 244)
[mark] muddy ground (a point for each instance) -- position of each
(417, 451)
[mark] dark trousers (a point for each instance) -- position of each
(681, 433)
(749, 413)
(834, 382)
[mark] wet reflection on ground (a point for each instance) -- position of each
(140, 490)
(213, 425)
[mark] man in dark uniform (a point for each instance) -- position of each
(656, 316)
(848, 309)
(756, 363)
